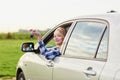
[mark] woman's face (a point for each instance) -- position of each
(58, 38)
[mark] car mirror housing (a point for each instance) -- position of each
(28, 47)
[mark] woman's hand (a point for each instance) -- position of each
(36, 33)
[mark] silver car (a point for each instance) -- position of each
(90, 51)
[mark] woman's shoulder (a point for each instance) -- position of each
(54, 48)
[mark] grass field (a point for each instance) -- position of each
(10, 52)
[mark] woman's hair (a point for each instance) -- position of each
(62, 30)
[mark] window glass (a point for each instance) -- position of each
(102, 52)
(84, 39)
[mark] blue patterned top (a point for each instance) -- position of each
(49, 54)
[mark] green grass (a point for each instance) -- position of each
(10, 52)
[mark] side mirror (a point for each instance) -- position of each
(27, 47)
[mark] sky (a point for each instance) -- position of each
(43, 14)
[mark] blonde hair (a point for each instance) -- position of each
(62, 30)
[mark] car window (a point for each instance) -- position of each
(102, 52)
(84, 39)
(51, 42)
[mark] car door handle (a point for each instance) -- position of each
(89, 71)
(50, 64)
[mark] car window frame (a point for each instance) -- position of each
(87, 20)
(49, 35)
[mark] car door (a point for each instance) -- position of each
(85, 52)
(41, 68)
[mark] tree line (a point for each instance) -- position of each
(16, 35)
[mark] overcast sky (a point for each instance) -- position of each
(42, 14)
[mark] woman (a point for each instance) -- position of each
(59, 35)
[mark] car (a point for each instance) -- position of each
(90, 51)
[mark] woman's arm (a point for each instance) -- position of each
(49, 54)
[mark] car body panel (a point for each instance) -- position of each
(77, 69)
(35, 67)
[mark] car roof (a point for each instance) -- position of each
(112, 18)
